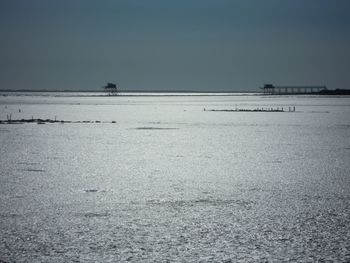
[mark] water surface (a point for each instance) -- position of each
(170, 181)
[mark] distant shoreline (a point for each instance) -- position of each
(336, 92)
(128, 91)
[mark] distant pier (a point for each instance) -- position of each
(270, 89)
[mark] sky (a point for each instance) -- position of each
(187, 45)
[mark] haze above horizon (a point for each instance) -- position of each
(195, 45)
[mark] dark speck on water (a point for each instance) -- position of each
(90, 190)
(34, 170)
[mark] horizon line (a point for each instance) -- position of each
(131, 91)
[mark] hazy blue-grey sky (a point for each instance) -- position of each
(222, 45)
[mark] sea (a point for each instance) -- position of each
(161, 177)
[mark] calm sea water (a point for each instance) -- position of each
(171, 182)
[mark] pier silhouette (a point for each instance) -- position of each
(270, 89)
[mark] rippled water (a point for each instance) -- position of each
(171, 182)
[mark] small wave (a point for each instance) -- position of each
(212, 202)
(29, 163)
(154, 128)
(92, 214)
(9, 216)
(35, 170)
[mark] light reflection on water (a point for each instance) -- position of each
(170, 181)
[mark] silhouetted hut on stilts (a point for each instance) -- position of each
(111, 89)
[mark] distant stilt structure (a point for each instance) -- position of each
(268, 89)
(111, 89)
